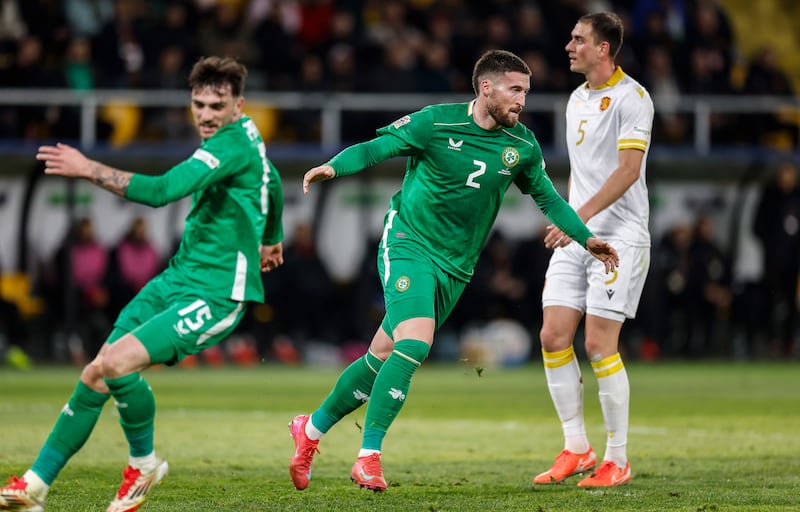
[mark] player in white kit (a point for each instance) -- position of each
(609, 121)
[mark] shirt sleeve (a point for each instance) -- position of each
(406, 136)
(636, 121)
(206, 166)
(273, 230)
(366, 154)
(558, 211)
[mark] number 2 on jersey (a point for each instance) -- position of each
(481, 170)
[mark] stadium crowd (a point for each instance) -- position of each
(675, 47)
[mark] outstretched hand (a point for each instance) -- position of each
(604, 252)
(63, 160)
(320, 173)
(556, 238)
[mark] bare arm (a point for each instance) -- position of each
(630, 163)
(64, 160)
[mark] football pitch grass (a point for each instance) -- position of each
(703, 437)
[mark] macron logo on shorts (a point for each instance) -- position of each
(207, 158)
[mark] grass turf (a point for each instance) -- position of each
(703, 437)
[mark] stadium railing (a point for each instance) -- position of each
(331, 107)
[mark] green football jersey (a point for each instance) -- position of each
(237, 204)
(456, 177)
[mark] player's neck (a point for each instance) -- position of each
(481, 116)
(600, 75)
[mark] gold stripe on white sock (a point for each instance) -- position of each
(557, 359)
(608, 366)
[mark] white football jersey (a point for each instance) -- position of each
(600, 123)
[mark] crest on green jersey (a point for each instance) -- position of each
(402, 284)
(510, 157)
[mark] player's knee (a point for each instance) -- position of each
(554, 340)
(597, 350)
(114, 365)
(92, 375)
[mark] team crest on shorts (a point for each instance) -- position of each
(402, 284)
(510, 157)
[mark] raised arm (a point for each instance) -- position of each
(64, 160)
(357, 157)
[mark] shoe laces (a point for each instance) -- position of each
(306, 451)
(129, 477)
(372, 465)
(307, 446)
(607, 466)
(15, 483)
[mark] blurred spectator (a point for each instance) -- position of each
(220, 33)
(303, 284)
(30, 71)
(78, 69)
(341, 69)
(175, 29)
(86, 18)
(671, 14)
(45, 19)
(316, 18)
(76, 292)
(169, 123)
(497, 33)
(391, 26)
(529, 263)
(671, 267)
(77, 72)
(435, 74)
(708, 292)
(711, 41)
(531, 33)
(12, 24)
(119, 49)
(132, 263)
(396, 70)
(765, 77)
(671, 125)
(495, 290)
(777, 226)
(280, 50)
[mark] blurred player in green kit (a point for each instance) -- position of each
(461, 160)
(232, 233)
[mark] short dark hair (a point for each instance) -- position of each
(606, 26)
(216, 72)
(495, 62)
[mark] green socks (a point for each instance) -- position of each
(352, 389)
(72, 429)
(137, 410)
(390, 389)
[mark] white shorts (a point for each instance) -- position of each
(577, 280)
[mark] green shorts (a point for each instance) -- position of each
(173, 322)
(414, 286)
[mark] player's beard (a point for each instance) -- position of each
(500, 116)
